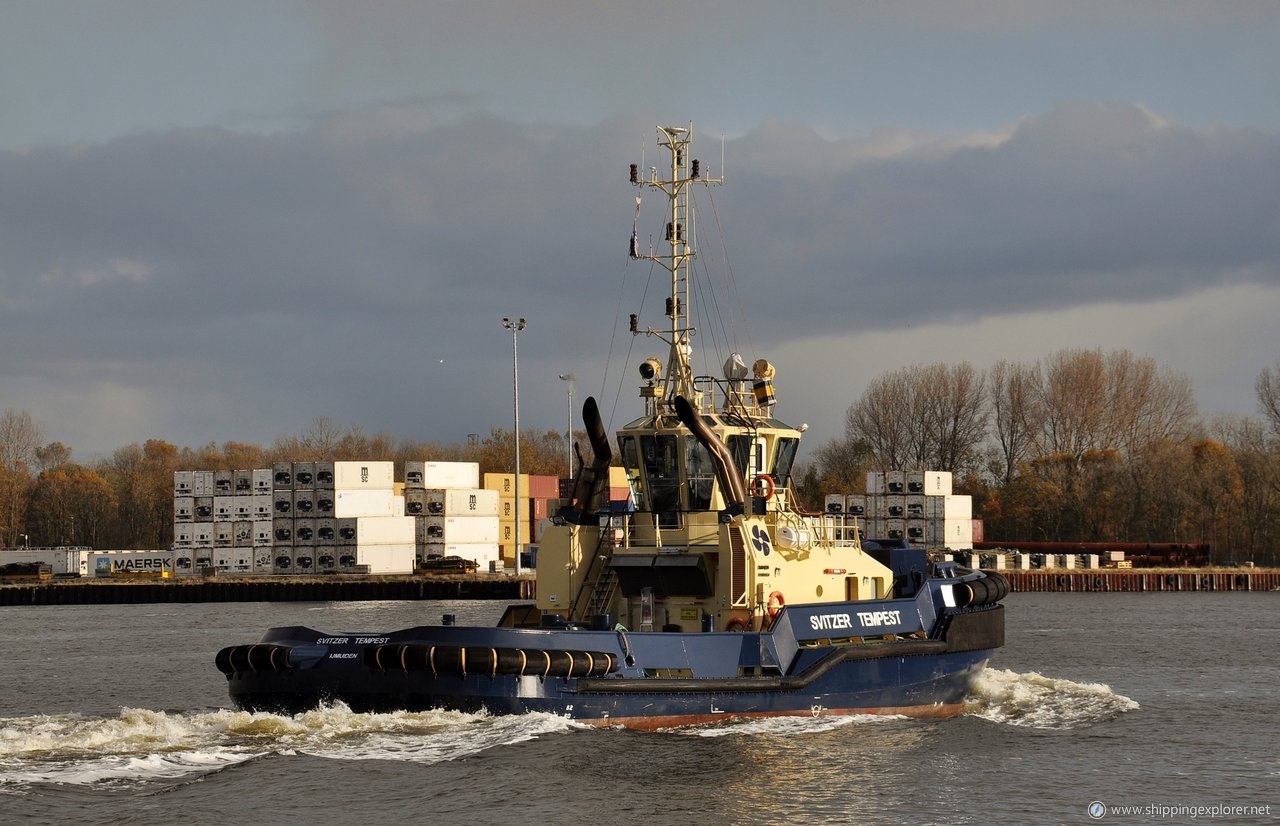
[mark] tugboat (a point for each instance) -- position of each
(713, 597)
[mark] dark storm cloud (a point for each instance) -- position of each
(329, 271)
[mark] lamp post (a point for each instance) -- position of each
(26, 540)
(569, 377)
(515, 327)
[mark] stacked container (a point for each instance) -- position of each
(453, 515)
(917, 506)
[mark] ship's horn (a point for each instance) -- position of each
(593, 479)
(731, 484)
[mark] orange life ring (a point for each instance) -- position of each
(776, 602)
(737, 625)
(762, 486)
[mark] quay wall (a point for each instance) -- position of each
(263, 589)
(1155, 580)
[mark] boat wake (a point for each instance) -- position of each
(142, 745)
(1035, 701)
(787, 726)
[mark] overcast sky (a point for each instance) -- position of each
(221, 220)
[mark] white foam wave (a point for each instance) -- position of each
(788, 725)
(142, 745)
(1037, 701)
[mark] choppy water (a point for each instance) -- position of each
(115, 714)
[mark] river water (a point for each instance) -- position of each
(1161, 702)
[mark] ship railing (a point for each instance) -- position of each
(736, 396)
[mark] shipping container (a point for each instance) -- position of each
(949, 507)
(441, 475)
(125, 563)
(505, 483)
(345, 528)
(242, 534)
(508, 534)
(202, 483)
(544, 487)
(262, 533)
(282, 559)
(834, 503)
(64, 561)
(480, 553)
(875, 483)
(855, 504)
(183, 483)
(223, 532)
(184, 562)
(915, 506)
(304, 559)
(304, 475)
(184, 534)
(203, 535)
(282, 530)
(352, 503)
(304, 502)
(223, 507)
(415, 502)
(262, 481)
(282, 476)
(184, 509)
(386, 559)
(461, 502)
(325, 502)
(263, 505)
(304, 532)
(223, 483)
(384, 530)
(282, 502)
(929, 482)
(242, 482)
(324, 476)
(459, 529)
(363, 476)
(895, 482)
(327, 531)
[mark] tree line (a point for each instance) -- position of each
(125, 501)
(1079, 446)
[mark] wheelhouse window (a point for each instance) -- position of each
(786, 458)
(631, 461)
(660, 457)
(699, 474)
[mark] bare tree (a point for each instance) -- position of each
(1017, 411)
(1268, 387)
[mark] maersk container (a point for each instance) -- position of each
(184, 534)
(304, 475)
(184, 509)
(463, 502)
(461, 529)
(354, 476)
(242, 482)
(183, 483)
(352, 503)
(384, 530)
(203, 536)
(263, 506)
(184, 563)
(282, 476)
(223, 483)
(262, 481)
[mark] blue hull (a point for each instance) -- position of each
(638, 680)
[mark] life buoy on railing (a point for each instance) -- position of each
(736, 625)
(762, 486)
(776, 601)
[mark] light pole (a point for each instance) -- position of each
(569, 377)
(515, 327)
(26, 540)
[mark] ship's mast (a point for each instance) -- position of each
(678, 378)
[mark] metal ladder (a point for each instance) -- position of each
(600, 579)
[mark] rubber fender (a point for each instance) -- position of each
(481, 660)
(259, 657)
